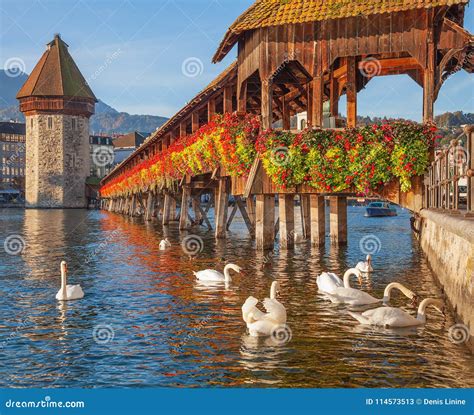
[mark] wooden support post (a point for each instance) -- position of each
(242, 98)
(267, 104)
(173, 216)
(166, 209)
(133, 207)
(286, 206)
(305, 216)
(265, 221)
(429, 79)
(351, 92)
(195, 121)
(156, 206)
(211, 109)
(251, 209)
(222, 204)
(338, 219)
(228, 99)
(195, 202)
(183, 214)
(286, 120)
(334, 97)
(149, 205)
(316, 99)
(318, 220)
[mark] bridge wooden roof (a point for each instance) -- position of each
(219, 82)
(266, 13)
(56, 75)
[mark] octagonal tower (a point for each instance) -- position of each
(57, 103)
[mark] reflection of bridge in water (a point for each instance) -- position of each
(283, 70)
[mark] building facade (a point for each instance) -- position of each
(101, 155)
(57, 103)
(12, 155)
(125, 145)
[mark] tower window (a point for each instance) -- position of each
(50, 123)
(31, 122)
(73, 123)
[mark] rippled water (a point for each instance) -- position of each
(169, 331)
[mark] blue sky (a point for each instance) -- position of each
(133, 52)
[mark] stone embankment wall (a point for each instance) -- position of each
(448, 242)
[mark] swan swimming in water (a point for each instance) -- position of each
(250, 306)
(396, 317)
(68, 292)
(264, 324)
(165, 243)
(365, 266)
(354, 297)
(216, 276)
(328, 282)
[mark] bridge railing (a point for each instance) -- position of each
(449, 183)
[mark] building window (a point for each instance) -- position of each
(50, 123)
(73, 123)
(302, 124)
(31, 122)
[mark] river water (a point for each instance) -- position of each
(145, 322)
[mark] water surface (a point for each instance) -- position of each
(145, 322)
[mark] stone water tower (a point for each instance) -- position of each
(57, 103)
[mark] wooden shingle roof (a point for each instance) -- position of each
(264, 13)
(56, 75)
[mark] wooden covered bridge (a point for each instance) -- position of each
(293, 57)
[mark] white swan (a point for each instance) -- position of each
(328, 282)
(396, 317)
(353, 296)
(164, 244)
(264, 324)
(365, 266)
(68, 292)
(216, 276)
(250, 306)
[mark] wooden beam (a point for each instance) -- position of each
(228, 92)
(242, 98)
(286, 115)
(251, 209)
(166, 209)
(267, 104)
(195, 121)
(245, 215)
(149, 206)
(182, 129)
(232, 215)
(305, 216)
(211, 108)
(334, 97)
(286, 207)
(183, 214)
(338, 219)
(222, 205)
(318, 220)
(351, 91)
(265, 221)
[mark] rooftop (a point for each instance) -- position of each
(265, 13)
(17, 128)
(56, 75)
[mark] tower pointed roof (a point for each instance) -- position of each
(56, 75)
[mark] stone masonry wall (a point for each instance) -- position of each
(57, 161)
